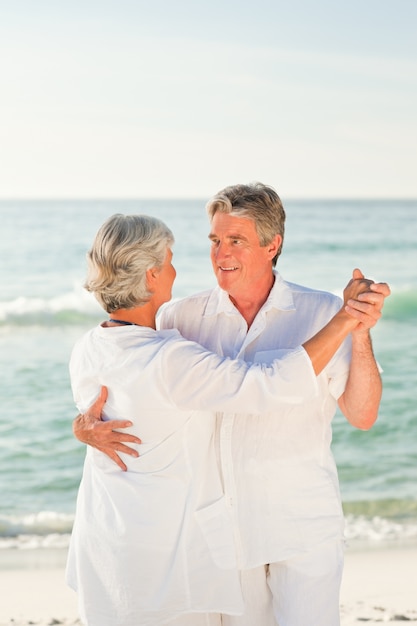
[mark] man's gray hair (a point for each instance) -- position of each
(257, 202)
(125, 247)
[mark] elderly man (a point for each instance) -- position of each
(279, 475)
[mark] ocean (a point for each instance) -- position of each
(44, 309)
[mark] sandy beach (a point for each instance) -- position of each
(379, 586)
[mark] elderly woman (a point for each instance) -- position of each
(154, 544)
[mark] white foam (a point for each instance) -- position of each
(78, 300)
(46, 529)
(378, 529)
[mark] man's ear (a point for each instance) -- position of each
(274, 246)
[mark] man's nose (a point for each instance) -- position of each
(222, 250)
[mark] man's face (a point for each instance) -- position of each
(242, 266)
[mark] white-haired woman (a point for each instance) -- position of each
(155, 545)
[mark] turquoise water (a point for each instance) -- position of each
(43, 309)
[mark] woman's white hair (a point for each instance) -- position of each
(125, 247)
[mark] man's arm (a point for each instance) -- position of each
(326, 342)
(90, 429)
(360, 401)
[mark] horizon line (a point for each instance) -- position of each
(198, 198)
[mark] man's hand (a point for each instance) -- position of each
(366, 306)
(90, 429)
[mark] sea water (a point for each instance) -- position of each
(44, 309)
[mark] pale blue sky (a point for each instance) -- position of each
(174, 98)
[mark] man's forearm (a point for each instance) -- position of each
(361, 398)
(324, 344)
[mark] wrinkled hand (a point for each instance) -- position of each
(358, 284)
(90, 429)
(366, 305)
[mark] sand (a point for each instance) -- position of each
(379, 586)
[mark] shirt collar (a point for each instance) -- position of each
(280, 298)
(219, 302)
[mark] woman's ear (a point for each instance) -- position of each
(152, 278)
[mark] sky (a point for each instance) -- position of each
(179, 98)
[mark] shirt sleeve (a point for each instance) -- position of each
(337, 370)
(200, 380)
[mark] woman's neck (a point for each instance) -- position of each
(140, 316)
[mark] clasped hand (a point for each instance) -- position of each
(364, 299)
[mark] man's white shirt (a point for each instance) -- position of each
(279, 475)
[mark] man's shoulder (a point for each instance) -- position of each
(313, 299)
(310, 292)
(188, 303)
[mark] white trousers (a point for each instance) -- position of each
(302, 591)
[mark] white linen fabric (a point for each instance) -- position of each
(156, 541)
(295, 592)
(279, 474)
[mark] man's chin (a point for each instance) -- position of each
(226, 280)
